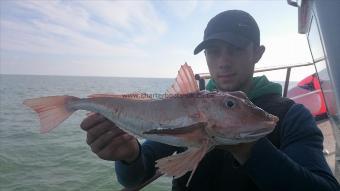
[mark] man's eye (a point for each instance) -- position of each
(229, 50)
(213, 51)
(234, 50)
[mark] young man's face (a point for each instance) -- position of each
(232, 68)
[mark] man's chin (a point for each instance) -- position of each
(227, 85)
(231, 85)
(227, 88)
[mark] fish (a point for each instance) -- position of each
(186, 117)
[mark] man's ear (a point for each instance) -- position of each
(258, 52)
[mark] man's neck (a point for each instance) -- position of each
(246, 87)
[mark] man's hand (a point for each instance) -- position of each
(107, 141)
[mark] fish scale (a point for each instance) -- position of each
(136, 117)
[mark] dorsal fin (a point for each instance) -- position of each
(185, 82)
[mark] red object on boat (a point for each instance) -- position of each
(308, 93)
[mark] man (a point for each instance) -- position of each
(290, 158)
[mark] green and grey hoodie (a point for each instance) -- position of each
(260, 86)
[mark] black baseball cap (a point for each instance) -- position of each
(236, 27)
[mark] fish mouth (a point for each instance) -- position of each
(269, 124)
(272, 118)
(244, 137)
(257, 133)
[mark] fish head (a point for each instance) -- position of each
(234, 119)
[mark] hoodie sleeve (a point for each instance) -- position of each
(143, 168)
(299, 164)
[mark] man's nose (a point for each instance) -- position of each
(225, 58)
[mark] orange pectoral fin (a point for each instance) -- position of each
(178, 164)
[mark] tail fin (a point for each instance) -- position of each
(185, 82)
(51, 110)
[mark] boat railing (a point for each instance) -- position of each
(201, 77)
(306, 94)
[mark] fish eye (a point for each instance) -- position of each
(229, 103)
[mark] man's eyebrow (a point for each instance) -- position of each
(214, 45)
(225, 45)
(211, 47)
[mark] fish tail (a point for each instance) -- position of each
(51, 110)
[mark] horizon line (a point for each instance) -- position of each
(56, 75)
(59, 75)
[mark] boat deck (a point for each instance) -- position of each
(330, 145)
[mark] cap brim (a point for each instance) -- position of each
(234, 39)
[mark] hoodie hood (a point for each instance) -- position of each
(260, 86)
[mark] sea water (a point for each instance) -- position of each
(60, 160)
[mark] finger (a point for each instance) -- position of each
(102, 141)
(100, 129)
(115, 149)
(120, 140)
(91, 121)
